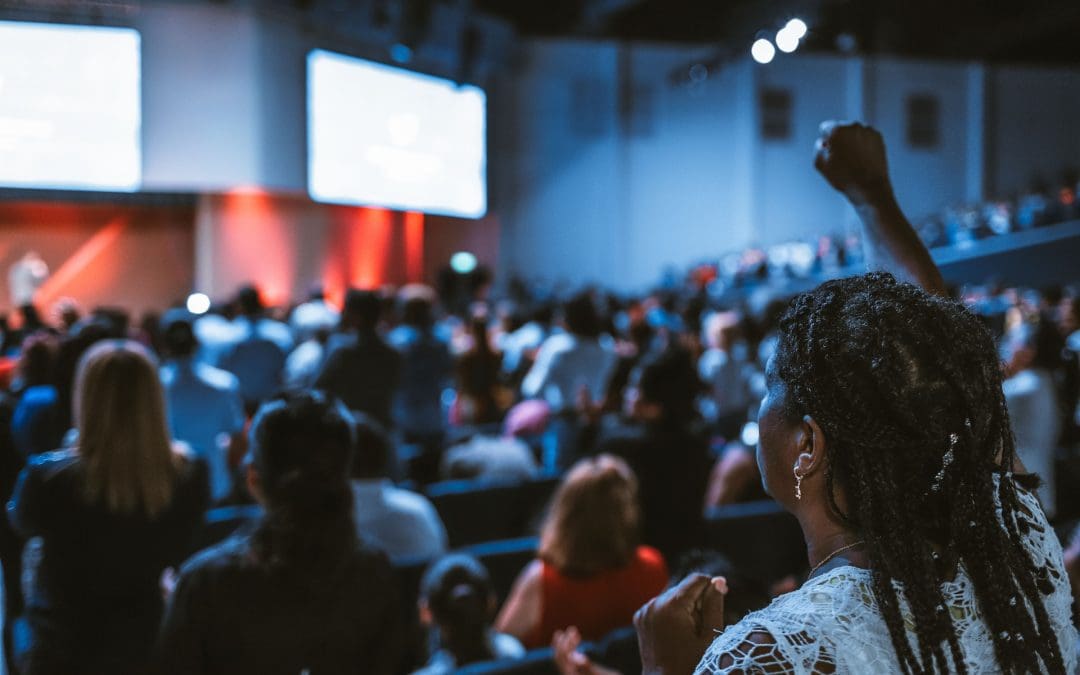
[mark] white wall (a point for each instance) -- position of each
(200, 101)
(1034, 124)
(925, 179)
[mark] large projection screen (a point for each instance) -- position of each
(69, 107)
(382, 136)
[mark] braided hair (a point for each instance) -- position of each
(907, 389)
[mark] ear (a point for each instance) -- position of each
(426, 617)
(811, 447)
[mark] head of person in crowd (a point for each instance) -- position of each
(124, 443)
(458, 598)
(301, 450)
(1033, 344)
(722, 331)
(373, 449)
(37, 360)
(361, 311)
(249, 301)
(594, 521)
(178, 340)
(885, 418)
(67, 314)
(581, 317)
(1069, 315)
(417, 306)
(663, 389)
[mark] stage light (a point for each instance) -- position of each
(762, 50)
(198, 303)
(463, 262)
(797, 27)
(786, 41)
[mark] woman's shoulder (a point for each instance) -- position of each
(803, 631)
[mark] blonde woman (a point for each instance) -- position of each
(591, 571)
(113, 512)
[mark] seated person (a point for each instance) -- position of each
(591, 571)
(458, 601)
(300, 593)
(400, 522)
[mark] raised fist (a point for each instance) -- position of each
(851, 156)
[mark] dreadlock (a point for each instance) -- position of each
(907, 388)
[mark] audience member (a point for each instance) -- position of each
(590, 572)
(112, 513)
(726, 369)
(426, 368)
(664, 444)
(360, 368)
(569, 361)
(400, 522)
(313, 315)
(458, 602)
(204, 405)
(477, 375)
(257, 354)
(1032, 354)
(300, 593)
(37, 422)
(884, 430)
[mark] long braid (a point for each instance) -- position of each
(907, 389)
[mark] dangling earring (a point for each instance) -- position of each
(798, 483)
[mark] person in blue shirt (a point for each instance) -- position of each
(426, 368)
(257, 357)
(204, 405)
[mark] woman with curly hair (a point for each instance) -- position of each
(884, 430)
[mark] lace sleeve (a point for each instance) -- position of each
(767, 643)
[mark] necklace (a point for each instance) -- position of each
(833, 555)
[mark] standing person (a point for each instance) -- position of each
(665, 444)
(360, 368)
(204, 403)
(478, 372)
(300, 594)
(1032, 354)
(568, 366)
(426, 367)
(884, 430)
(257, 356)
(113, 512)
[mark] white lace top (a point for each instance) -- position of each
(833, 623)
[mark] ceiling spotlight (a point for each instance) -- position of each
(762, 50)
(786, 40)
(797, 27)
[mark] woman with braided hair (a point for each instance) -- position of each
(884, 430)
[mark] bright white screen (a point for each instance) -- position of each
(69, 107)
(381, 136)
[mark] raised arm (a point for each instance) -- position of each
(851, 157)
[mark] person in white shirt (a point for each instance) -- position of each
(725, 368)
(203, 403)
(1032, 351)
(402, 523)
(25, 277)
(569, 361)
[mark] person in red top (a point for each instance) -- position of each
(590, 572)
